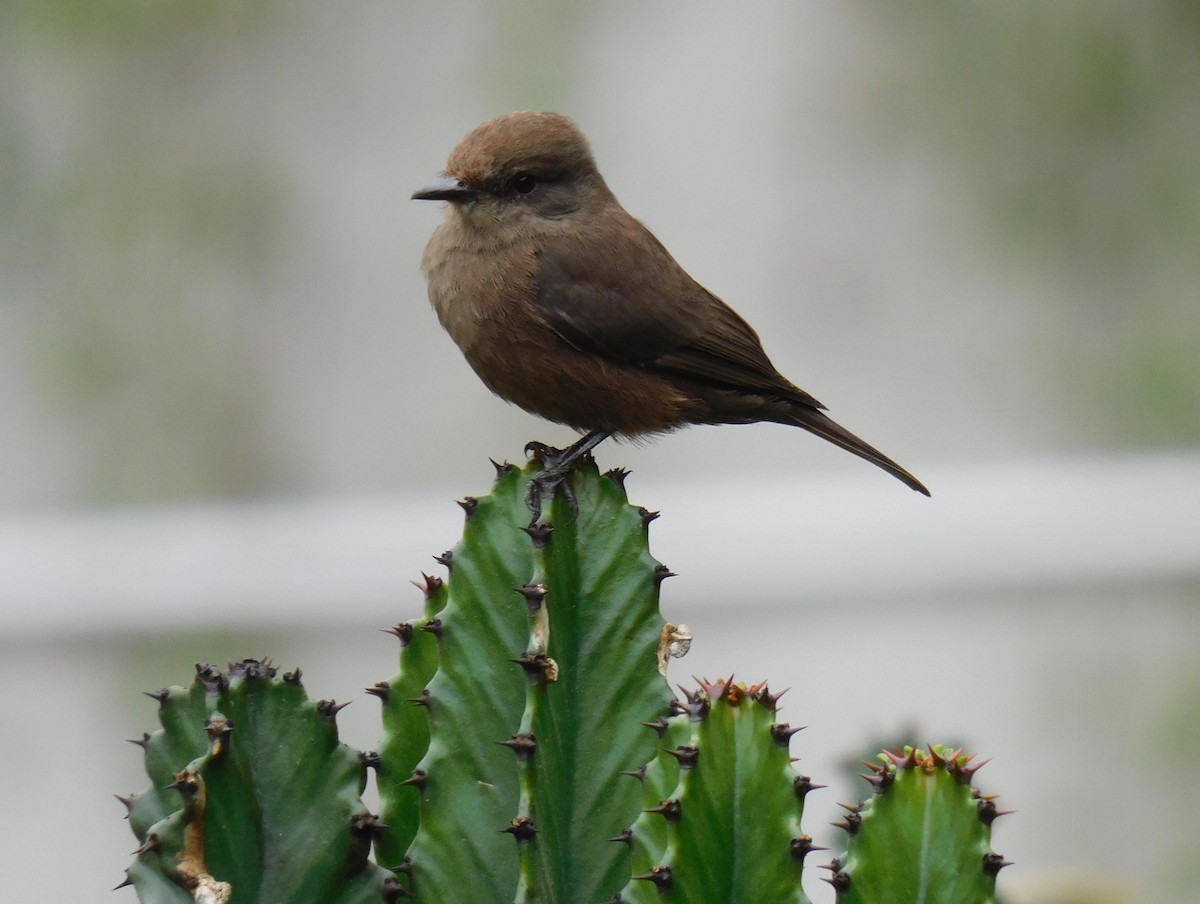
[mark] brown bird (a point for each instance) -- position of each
(567, 306)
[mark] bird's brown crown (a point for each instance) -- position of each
(547, 145)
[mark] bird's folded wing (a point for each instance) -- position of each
(627, 300)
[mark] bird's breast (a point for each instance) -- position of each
(476, 278)
(483, 290)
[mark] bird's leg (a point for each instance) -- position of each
(556, 465)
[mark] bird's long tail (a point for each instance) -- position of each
(814, 421)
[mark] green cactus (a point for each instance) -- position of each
(547, 665)
(724, 757)
(242, 762)
(924, 836)
(405, 727)
(518, 713)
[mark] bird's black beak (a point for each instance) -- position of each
(448, 189)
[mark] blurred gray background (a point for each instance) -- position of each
(233, 427)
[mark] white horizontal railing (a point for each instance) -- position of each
(1006, 526)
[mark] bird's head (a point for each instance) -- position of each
(518, 168)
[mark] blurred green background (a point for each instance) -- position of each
(973, 230)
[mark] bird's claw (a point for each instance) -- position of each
(541, 492)
(541, 452)
(557, 465)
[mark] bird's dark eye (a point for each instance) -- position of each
(524, 183)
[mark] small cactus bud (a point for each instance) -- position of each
(659, 875)
(993, 863)
(403, 631)
(522, 828)
(670, 810)
(781, 733)
(329, 709)
(686, 754)
(419, 779)
(523, 745)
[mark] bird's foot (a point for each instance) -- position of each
(551, 479)
(557, 465)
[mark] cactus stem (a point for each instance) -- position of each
(522, 828)
(670, 810)
(380, 689)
